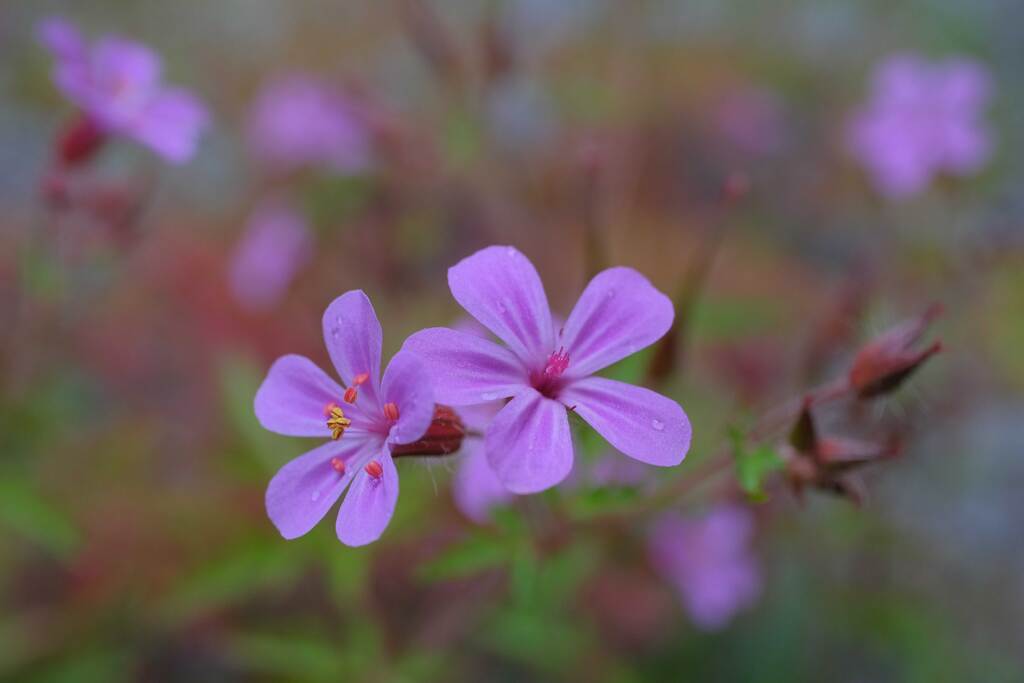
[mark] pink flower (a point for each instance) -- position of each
(709, 562)
(117, 85)
(275, 246)
(298, 120)
(922, 118)
(528, 444)
(363, 422)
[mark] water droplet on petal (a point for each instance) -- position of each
(658, 425)
(316, 496)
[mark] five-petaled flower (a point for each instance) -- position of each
(362, 423)
(709, 561)
(547, 373)
(922, 118)
(118, 86)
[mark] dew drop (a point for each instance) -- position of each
(658, 425)
(316, 496)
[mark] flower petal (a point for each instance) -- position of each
(476, 489)
(407, 384)
(170, 124)
(61, 38)
(619, 313)
(302, 492)
(529, 445)
(466, 369)
(500, 287)
(292, 398)
(353, 337)
(639, 422)
(370, 502)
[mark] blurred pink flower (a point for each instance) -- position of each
(117, 84)
(275, 246)
(299, 120)
(922, 118)
(362, 422)
(709, 562)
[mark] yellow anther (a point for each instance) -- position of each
(337, 422)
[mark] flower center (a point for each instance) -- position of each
(548, 380)
(336, 420)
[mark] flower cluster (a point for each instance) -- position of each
(518, 395)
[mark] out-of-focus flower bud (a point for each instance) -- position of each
(884, 363)
(827, 462)
(443, 437)
(79, 141)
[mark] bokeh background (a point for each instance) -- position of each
(133, 540)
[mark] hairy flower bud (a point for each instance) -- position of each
(827, 463)
(885, 362)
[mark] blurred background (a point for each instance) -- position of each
(141, 303)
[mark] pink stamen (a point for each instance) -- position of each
(558, 361)
(350, 395)
(360, 378)
(391, 411)
(374, 469)
(329, 408)
(338, 464)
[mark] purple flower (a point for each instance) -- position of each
(275, 246)
(298, 120)
(117, 84)
(363, 421)
(709, 562)
(922, 118)
(546, 374)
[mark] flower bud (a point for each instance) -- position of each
(884, 363)
(79, 141)
(443, 437)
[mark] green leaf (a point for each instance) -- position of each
(31, 515)
(233, 576)
(754, 466)
(475, 554)
(602, 500)
(296, 656)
